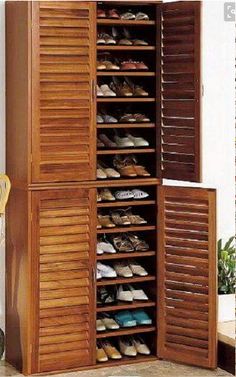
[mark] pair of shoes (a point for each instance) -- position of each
(106, 350)
(105, 39)
(106, 322)
(129, 269)
(103, 65)
(105, 91)
(106, 118)
(135, 194)
(104, 172)
(131, 65)
(105, 195)
(124, 38)
(110, 13)
(128, 166)
(131, 346)
(129, 242)
(137, 317)
(124, 217)
(127, 88)
(126, 141)
(129, 15)
(129, 294)
(134, 118)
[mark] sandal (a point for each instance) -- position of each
(135, 219)
(119, 217)
(122, 244)
(137, 243)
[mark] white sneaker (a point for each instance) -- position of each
(138, 294)
(124, 194)
(99, 92)
(106, 247)
(123, 295)
(106, 91)
(127, 347)
(123, 270)
(137, 269)
(138, 141)
(141, 346)
(139, 194)
(106, 271)
(123, 142)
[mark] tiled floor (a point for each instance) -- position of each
(154, 369)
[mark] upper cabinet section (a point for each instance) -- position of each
(180, 85)
(63, 74)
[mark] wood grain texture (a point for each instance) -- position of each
(181, 94)
(63, 73)
(187, 275)
(63, 255)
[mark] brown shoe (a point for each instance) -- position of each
(124, 166)
(128, 66)
(105, 221)
(141, 66)
(113, 13)
(140, 92)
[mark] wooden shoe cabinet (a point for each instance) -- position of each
(51, 160)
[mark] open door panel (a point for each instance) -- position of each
(180, 91)
(187, 275)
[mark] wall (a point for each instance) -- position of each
(218, 117)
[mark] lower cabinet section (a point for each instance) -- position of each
(63, 251)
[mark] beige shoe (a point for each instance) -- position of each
(101, 355)
(111, 351)
(101, 174)
(127, 347)
(100, 326)
(106, 195)
(105, 221)
(141, 346)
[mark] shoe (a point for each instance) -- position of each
(141, 16)
(127, 347)
(100, 325)
(105, 221)
(124, 295)
(123, 142)
(141, 317)
(106, 271)
(105, 247)
(104, 38)
(136, 269)
(139, 194)
(125, 166)
(101, 356)
(138, 141)
(128, 65)
(98, 275)
(101, 13)
(139, 42)
(105, 296)
(109, 66)
(125, 42)
(106, 172)
(137, 294)
(109, 323)
(122, 244)
(140, 118)
(101, 173)
(99, 199)
(99, 249)
(106, 91)
(99, 92)
(101, 39)
(101, 66)
(125, 319)
(106, 195)
(141, 346)
(120, 218)
(100, 144)
(127, 118)
(135, 219)
(140, 92)
(106, 141)
(100, 119)
(111, 351)
(122, 90)
(123, 270)
(139, 169)
(127, 16)
(141, 66)
(138, 244)
(109, 119)
(124, 195)
(113, 13)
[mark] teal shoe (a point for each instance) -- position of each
(125, 319)
(141, 317)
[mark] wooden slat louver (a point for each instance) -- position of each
(187, 276)
(180, 85)
(65, 257)
(63, 89)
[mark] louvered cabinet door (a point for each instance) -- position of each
(180, 91)
(187, 275)
(63, 257)
(63, 107)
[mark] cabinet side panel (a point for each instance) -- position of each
(18, 90)
(17, 283)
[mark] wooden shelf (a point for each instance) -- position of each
(132, 254)
(136, 228)
(126, 73)
(125, 99)
(112, 22)
(125, 125)
(126, 203)
(131, 280)
(125, 48)
(126, 306)
(126, 151)
(126, 361)
(126, 331)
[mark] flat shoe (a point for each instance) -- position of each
(110, 323)
(123, 270)
(137, 294)
(138, 141)
(106, 271)
(100, 325)
(127, 348)
(141, 317)
(106, 91)
(127, 16)
(101, 355)
(137, 269)
(125, 319)
(105, 221)
(106, 247)
(127, 118)
(99, 92)
(106, 141)
(111, 351)
(109, 119)
(105, 194)
(140, 346)
(141, 16)
(123, 142)
(139, 118)
(139, 42)
(141, 171)
(101, 174)
(124, 295)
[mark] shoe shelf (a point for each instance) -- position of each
(125, 99)
(125, 48)
(127, 360)
(127, 203)
(131, 280)
(125, 125)
(140, 254)
(122, 182)
(126, 331)
(125, 229)
(126, 73)
(112, 22)
(126, 306)
(126, 151)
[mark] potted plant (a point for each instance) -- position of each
(226, 280)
